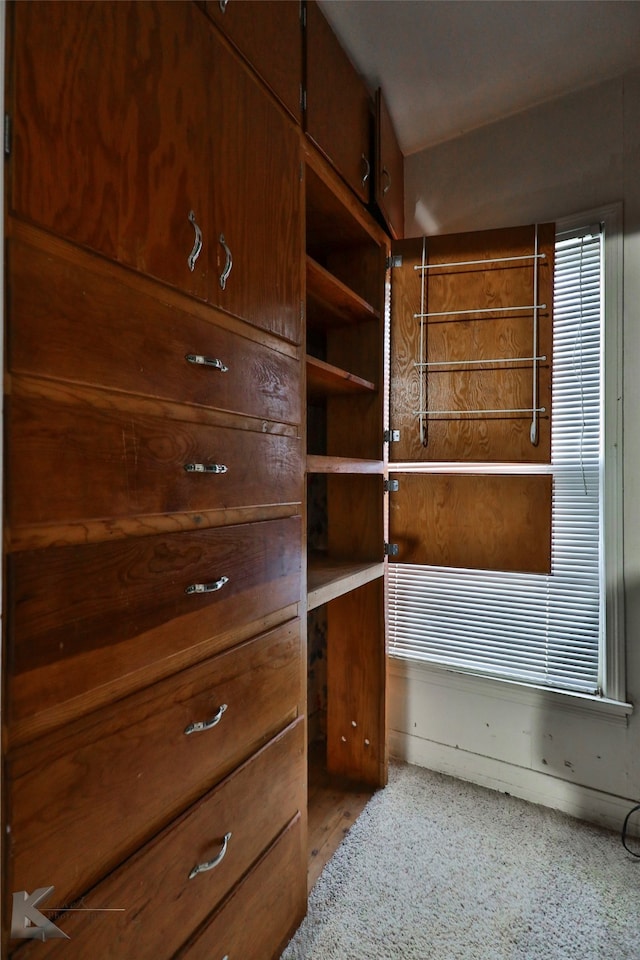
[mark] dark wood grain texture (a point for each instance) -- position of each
(274, 905)
(161, 905)
(91, 616)
(338, 115)
(107, 783)
(71, 463)
(484, 522)
(269, 35)
(76, 318)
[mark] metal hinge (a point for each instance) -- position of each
(395, 261)
(7, 135)
(391, 436)
(391, 486)
(391, 549)
(303, 99)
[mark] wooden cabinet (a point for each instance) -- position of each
(181, 261)
(177, 880)
(269, 36)
(130, 160)
(154, 711)
(338, 105)
(346, 258)
(159, 747)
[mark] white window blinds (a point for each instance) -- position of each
(534, 628)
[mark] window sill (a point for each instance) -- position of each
(614, 711)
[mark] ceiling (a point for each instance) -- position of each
(450, 66)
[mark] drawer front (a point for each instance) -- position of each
(264, 911)
(71, 463)
(110, 781)
(90, 617)
(160, 905)
(76, 317)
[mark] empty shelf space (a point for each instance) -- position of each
(335, 803)
(328, 578)
(332, 302)
(326, 380)
(322, 464)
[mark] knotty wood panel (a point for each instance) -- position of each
(356, 681)
(273, 906)
(471, 386)
(71, 463)
(338, 115)
(484, 522)
(70, 788)
(75, 318)
(162, 906)
(269, 35)
(87, 618)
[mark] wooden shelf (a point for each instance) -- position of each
(322, 464)
(323, 379)
(328, 578)
(331, 302)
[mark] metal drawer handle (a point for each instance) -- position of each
(206, 724)
(197, 243)
(223, 5)
(224, 276)
(203, 867)
(387, 186)
(207, 587)
(367, 170)
(201, 361)
(205, 467)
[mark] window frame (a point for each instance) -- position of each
(611, 654)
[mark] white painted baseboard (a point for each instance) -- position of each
(583, 803)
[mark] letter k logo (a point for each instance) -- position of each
(27, 923)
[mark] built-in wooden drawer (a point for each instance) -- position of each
(71, 462)
(93, 622)
(273, 896)
(108, 782)
(80, 318)
(161, 896)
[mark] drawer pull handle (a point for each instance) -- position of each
(201, 361)
(206, 724)
(197, 243)
(224, 276)
(387, 186)
(367, 169)
(203, 867)
(223, 5)
(205, 468)
(207, 587)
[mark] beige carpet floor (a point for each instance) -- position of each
(439, 869)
